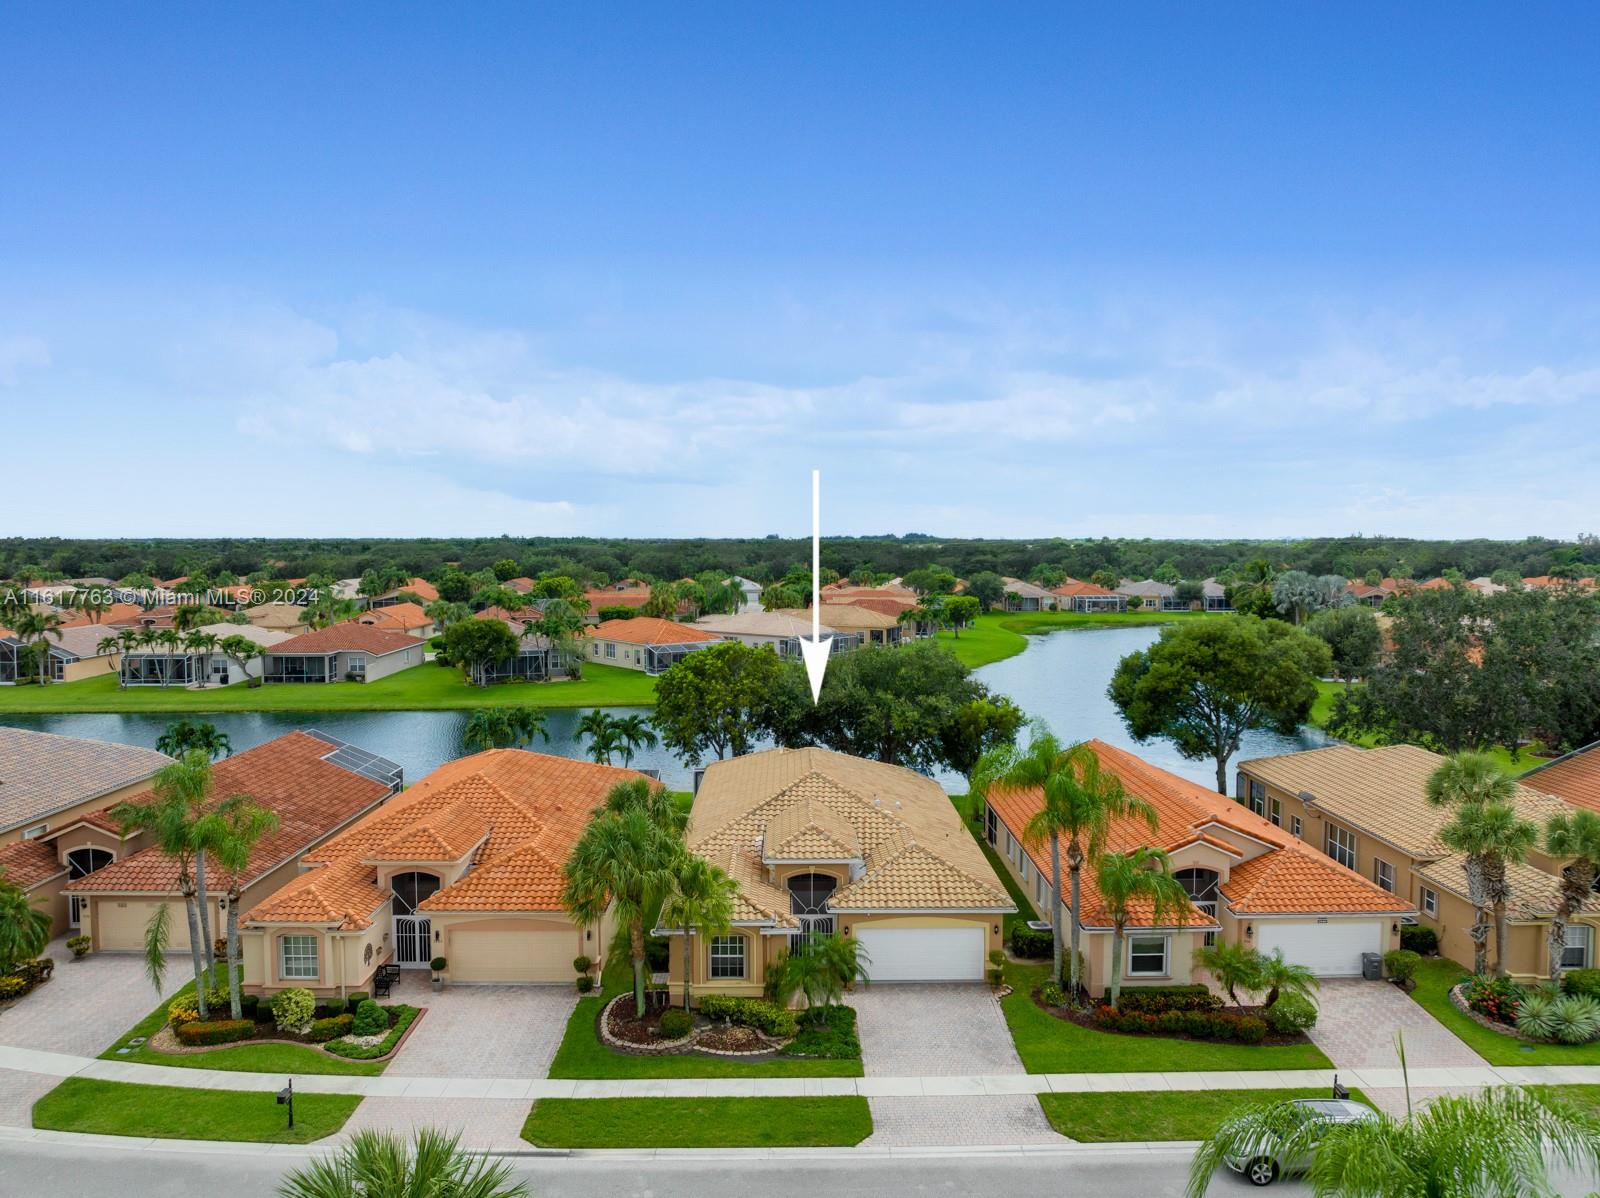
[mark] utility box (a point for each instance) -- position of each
(1372, 967)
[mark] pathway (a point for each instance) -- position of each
(453, 1037)
(86, 1004)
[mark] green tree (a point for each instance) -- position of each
(960, 611)
(633, 733)
(506, 569)
(978, 727)
(985, 586)
(503, 728)
(1106, 579)
(475, 645)
(37, 628)
(1353, 639)
(1234, 967)
(716, 701)
(930, 580)
(601, 729)
(185, 735)
(24, 928)
(1277, 975)
(1079, 803)
(781, 597)
(1572, 837)
(231, 831)
(700, 899)
(1494, 1144)
(1143, 875)
(820, 968)
(1486, 829)
(374, 1164)
(1204, 684)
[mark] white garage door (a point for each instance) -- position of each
(506, 956)
(1331, 950)
(924, 954)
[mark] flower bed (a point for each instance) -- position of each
(1458, 999)
(169, 1040)
(740, 1031)
(1171, 1021)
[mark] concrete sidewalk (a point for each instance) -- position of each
(65, 1065)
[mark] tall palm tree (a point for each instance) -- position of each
(107, 646)
(169, 817)
(624, 862)
(600, 729)
(36, 628)
(92, 603)
(1143, 875)
(204, 644)
(641, 794)
(1080, 803)
(231, 831)
(24, 928)
(128, 641)
(183, 735)
(375, 1164)
(634, 732)
(169, 640)
(1491, 837)
(700, 898)
(1573, 837)
(1494, 1144)
(1467, 780)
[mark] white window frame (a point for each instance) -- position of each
(720, 952)
(1429, 902)
(1383, 874)
(611, 649)
(1166, 955)
(35, 832)
(1296, 827)
(355, 663)
(1258, 797)
(1275, 812)
(1344, 841)
(299, 958)
(1585, 946)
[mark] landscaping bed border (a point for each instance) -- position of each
(685, 1046)
(171, 1047)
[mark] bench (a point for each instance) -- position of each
(383, 981)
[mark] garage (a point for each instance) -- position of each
(519, 955)
(900, 954)
(119, 924)
(1330, 948)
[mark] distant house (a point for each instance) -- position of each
(750, 590)
(280, 617)
(76, 655)
(1486, 586)
(1077, 595)
(116, 616)
(1214, 596)
(154, 665)
(780, 631)
(644, 643)
(1573, 777)
(1545, 582)
(1161, 596)
(868, 625)
(536, 661)
(345, 651)
(399, 617)
(1021, 595)
(1365, 593)
(420, 587)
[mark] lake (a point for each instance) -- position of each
(1061, 677)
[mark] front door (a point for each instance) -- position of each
(412, 935)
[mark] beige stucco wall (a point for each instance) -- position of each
(629, 657)
(389, 663)
(90, 667)
(117, 923)
(1180, 952)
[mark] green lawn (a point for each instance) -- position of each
(427, 687)
(1585, 1098)
(698, 1122)
(1434, 979)
(241, 1058)
(1158, 1114)
(1322, 709)
(1050, 1045)
(172, 1113)
(999, 635)
(582, 1055)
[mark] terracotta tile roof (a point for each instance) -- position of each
(341, 638)
(648, 630)
(1545, 581)
(810, 830)
(1574, 778)
(42, 773)
(397, 617)
(1074, 587)
(292, 777)
(26, 863)
(1380, 791)
(1534, 893)
(534, 806)
(118, 615)
(1187, 812)
(419, 587)
(917, 853)
(886, 605)
(448, 834)
(520, 585)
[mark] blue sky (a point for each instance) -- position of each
(997, 269)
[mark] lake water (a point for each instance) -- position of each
(1060, 678)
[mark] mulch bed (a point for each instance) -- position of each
(624, 1025)
(732, 1038)
(166, 1040)
(621, 1031)
(1084, 1017)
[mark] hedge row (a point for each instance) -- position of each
(330, 1028)
(1158, 1000)
(215, 1031)
(1199, 1025)
(758, 1013)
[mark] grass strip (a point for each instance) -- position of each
(82, 1104)
(698, 1122)
(1143, 1115)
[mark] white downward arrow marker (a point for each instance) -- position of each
(816, 650)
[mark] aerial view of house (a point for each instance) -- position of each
(645, 643)
(345, 652)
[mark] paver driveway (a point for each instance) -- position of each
(88, 1003)
(482, 1031)
(1358, 1020)
(932, 1030)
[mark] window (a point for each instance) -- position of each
(1276, 815)
(1576, 953)
(1147, 956)
(1383, 874)
(991, 824)
(1295, 825)
(299, 955)
(1430, 902)
(1341, 845)
(727, 956)
(356, 663)
(35, 832)
(1258, 798)
(1038, 888)
(611, 650)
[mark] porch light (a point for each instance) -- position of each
(1394, 928)
(996, 929)
(1247, 931)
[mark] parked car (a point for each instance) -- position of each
(1264, 1162)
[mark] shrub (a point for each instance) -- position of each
(832, 1037)
(355, 998)
(1419, 939)
(1156, 1000)
(1574, 981)
(1495, 998)
(1200, 1025)
(1536, 1015)
(582, 964)
(585, 983)
(79, 945)
(214, 1031)
(438, 964)
(403, 1016)
(250, 1006)
(370, 1019)
(1577, 1018)
(997, 958)
(676, 1023)
(12, 986)
(1029, 944)
(186, 1008)
(758, 1013)
(35, 971)
(1401, 965)
(997, 975)
(293, 1009)
(334, 1007)
(330, 1028)
(1052, 995)
(1291, 1013)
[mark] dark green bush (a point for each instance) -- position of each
(585, 983)
(250, 1006)
(676, 1023)
(1199, 1025)
(331, 1028)
(758, 1013)
(334, 1007)
(1156, 1000)
(355, 998)
(1419, 939)
(1582, 981)
(830, 1036)
(216, 1031)
(1029, 944)
(1401, 965)
(403, 1016)
(656, 950)
(1291, 1013)
(370, 1019)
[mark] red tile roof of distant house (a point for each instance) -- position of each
(1074, 587)
(116, 616)
(1546, 581)
(340, 638)
(26, 863)
(598, 600)
(520, 585)
(648, 630)
(290, 776)
(1574, 777)
(397, 617)
(884, 605)
(419, 587)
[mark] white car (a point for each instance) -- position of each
(1263, 1163)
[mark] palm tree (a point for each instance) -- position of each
(1575, 838)
(375, 1164)
(634, 732)
(169, 640)
(601, 731)
(1279, 976)
(182, 736)
(1143, 874)
(108, 645)
(641, 794)
(169, 817)
(1231, 966)
(1463, 781)
(701, 898)
(503, 727)
(36, 628)
(1491, 836)
(623, 863)
(1080, 802)
(820, 969)
(24, 929)
(1490, 1145)
(204, 644)
(231, 832)
(128, 641)
(92, 603)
